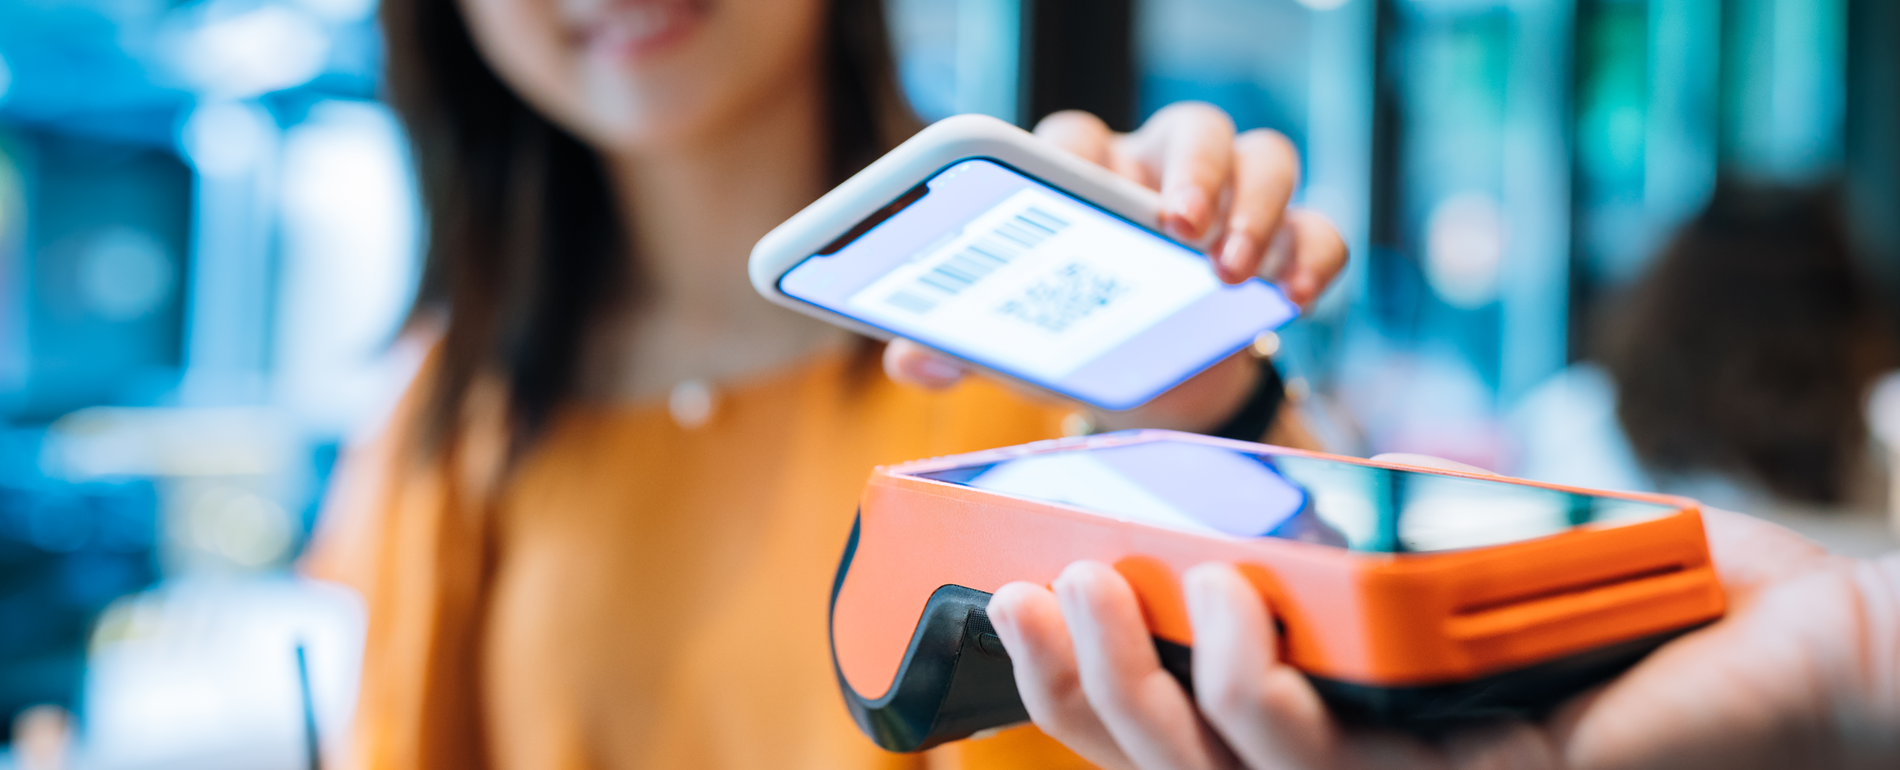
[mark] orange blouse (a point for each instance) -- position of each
(638, 594)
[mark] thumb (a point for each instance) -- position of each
(913, 364)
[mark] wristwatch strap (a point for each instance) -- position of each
(1262, 406)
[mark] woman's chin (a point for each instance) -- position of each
(626, 113)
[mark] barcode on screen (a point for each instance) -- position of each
(983, 256)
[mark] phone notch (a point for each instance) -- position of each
(890, 210)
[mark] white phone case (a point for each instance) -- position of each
(947, 141)
(943, 143)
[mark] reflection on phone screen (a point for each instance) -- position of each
(1215, 489)
(998, 268)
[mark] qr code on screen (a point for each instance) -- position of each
(1063, 297)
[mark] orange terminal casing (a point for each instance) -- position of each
(1410, 639)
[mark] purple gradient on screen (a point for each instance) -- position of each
(1180, 343)
(1232, 492)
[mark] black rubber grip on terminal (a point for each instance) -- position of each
(954, 681)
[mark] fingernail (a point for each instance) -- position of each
(938, 369)
(1199, 591)
(1001, 616)
(1279, 250)
(1064, 585)
(1188, 207)
(1233, 257)
(1067, 587)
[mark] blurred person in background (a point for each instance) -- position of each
(601, 529)
(1738, 371)
(42, 738)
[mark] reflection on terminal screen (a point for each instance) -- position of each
(1001, 269)
(1219, 490)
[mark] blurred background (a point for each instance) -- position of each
(208, 237)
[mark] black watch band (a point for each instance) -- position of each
(1263, 405)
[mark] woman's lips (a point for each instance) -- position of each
(629, 30)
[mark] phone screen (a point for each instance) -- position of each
(1214, 489)
(1000, 269)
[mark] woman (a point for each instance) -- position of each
(561, 571)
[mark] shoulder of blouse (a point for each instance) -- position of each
(349, 517)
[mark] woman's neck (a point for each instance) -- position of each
(694, 212)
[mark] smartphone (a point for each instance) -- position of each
(1413, 598)
(1050, 283)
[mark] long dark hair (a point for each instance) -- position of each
(527, 250)
(1751, 345)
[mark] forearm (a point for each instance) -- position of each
(1870, 725)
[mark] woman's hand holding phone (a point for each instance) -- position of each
(1803, 672)
(1218, 188)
